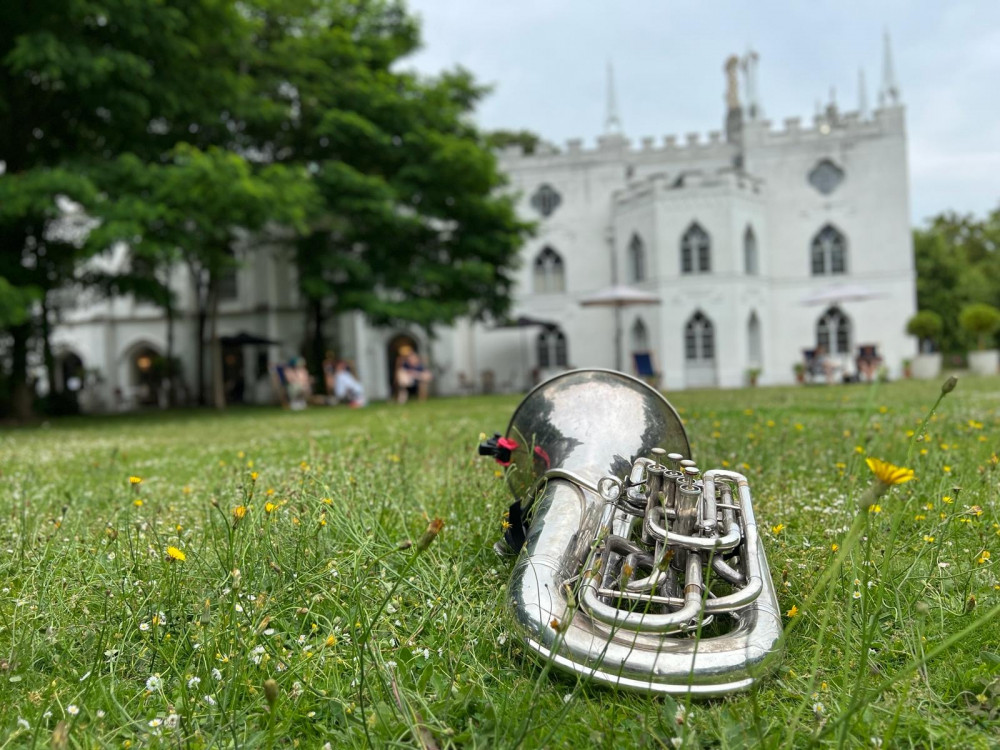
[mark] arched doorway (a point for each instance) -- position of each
(70, 376)
(699, 352)
(144, 382)
(396, 343)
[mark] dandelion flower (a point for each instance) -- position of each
(778, 529)
(793, 611)
(253, 476)
(874, 508)
(239, 513)
(134, 480)
(269, 507)
(888, 473)
(928, 538)
(175, 555)
(137, 503)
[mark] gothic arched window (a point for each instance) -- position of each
(550, 272)
(696, 250)
(833, 332)
(829, 252)
(699, 338)
(552, 351)
(636, 260)
(750, 252)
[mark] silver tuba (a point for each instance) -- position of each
(635, 569)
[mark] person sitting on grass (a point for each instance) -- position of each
(298, 387)
(346, 386)
(412, 377)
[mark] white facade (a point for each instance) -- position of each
(767, 217)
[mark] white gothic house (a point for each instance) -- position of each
(759, 243)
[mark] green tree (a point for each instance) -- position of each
(196, 208)
(80, 83)
(958, 264)
(414, 227)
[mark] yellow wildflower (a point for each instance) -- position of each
(946, 469)
(947, 499)
(269, 507)
(793, 611)
(874, 508)
(928, 538)
(135, 480)
(984, 556)
(239, 513)
(834, 547)
(778, 529)
(175, 555)
(137, 503)
(253, 476)
(888, 473)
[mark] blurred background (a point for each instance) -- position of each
(323, 202)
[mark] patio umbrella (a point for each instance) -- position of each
(841, 293)
(619, 296)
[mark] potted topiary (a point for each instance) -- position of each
(982, 321)
(926, 325)
(800, 372)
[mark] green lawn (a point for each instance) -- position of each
(374, 642)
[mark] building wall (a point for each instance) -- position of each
(608, 194)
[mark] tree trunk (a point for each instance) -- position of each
(171, 375)
(318, 344)
(47, 355)
(201, 313)
(21, 395)
(218, 386)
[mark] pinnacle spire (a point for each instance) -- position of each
(889, 95)
(749, 65)
(862, 95)
(612, 123)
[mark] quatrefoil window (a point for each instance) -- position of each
(826, 176)
(545, 200)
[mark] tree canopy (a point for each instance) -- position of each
(958, 264)
(177, 125)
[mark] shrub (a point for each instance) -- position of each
(926, 325)
(981, 320)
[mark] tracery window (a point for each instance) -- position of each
(546, 200)
(696, 251)
(550, 272)
(829, 252)
(833, 332)
(552, 350)
(699, 338)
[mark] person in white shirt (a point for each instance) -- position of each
(346, 386)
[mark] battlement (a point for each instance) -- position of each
(759, 133)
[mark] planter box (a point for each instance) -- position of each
(927, 366)
(985, 362)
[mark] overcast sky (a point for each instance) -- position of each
(547, 59)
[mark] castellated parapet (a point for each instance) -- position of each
(885, 122)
